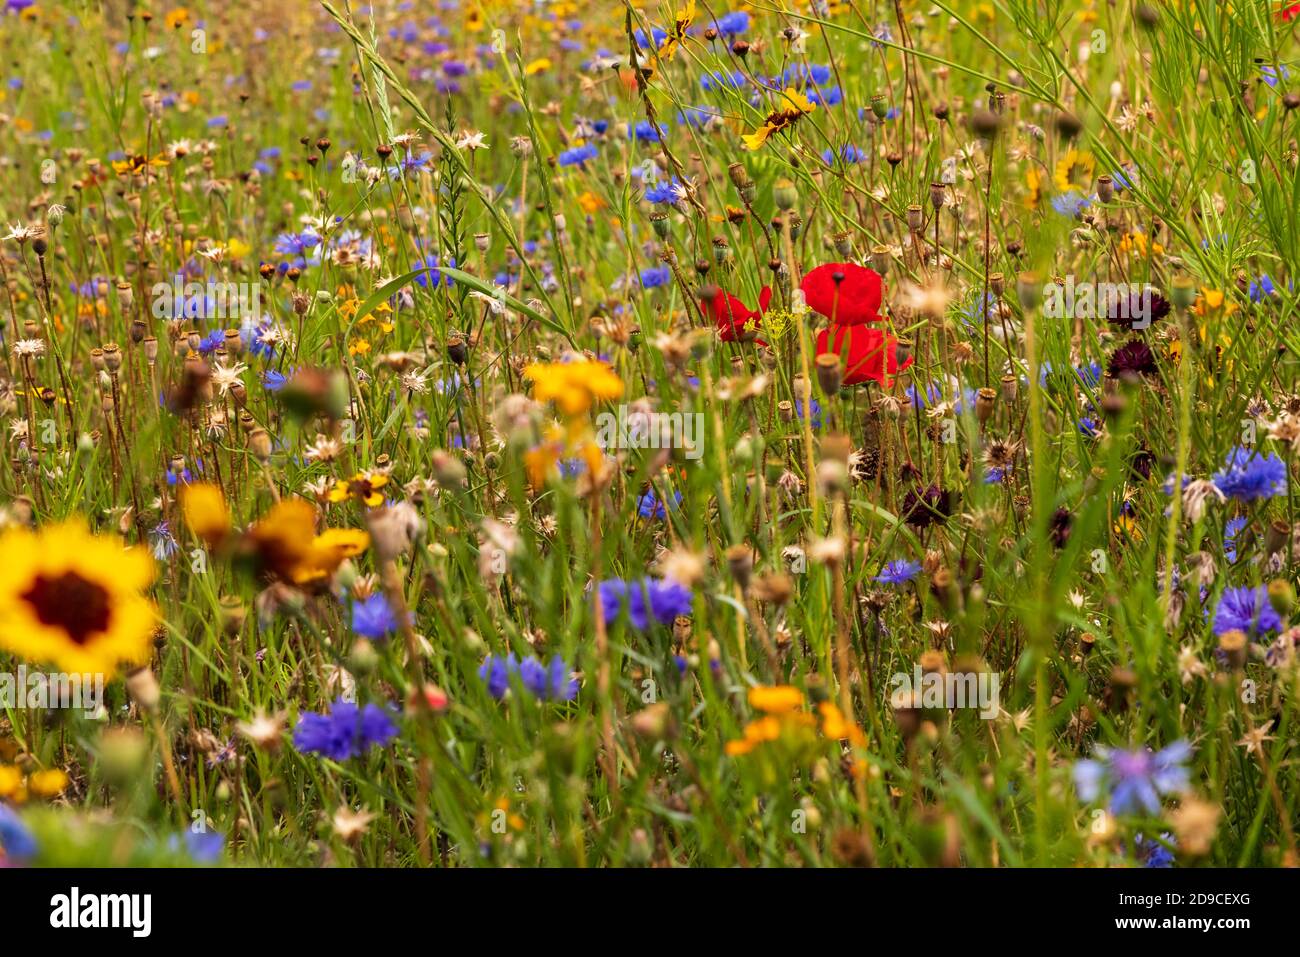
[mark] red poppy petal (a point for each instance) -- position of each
(867, 353)
(846, 293)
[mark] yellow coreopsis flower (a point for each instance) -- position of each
(364, 487)
(287, 546)
(203, 507)
(74, 599)
(677, 33)
(574, 386)
(792, 105)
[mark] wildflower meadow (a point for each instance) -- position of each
(658, 433)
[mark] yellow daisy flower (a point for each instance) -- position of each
(74, 599)
(364, 487)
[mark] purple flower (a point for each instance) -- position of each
(373, 618)
(15, 838)
(1134, 779)
(550, 682)
(553, 682)
(650, 597)
(1248, 475)
(347, 731)
(495, 673)
(898, 572)
(1246, 609)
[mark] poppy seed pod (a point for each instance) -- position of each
(880, 258)
(259, 443)
(1029, 290)
(915, 217)
(880, 106)
(985, 401)
(740, 561)
(1105, 188)
(125, 295)
(830, 372)
(785, 195)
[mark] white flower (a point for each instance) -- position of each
(224, 376)
(29, 347)
(471, 141)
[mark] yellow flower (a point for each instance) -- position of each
(1072, 163)
(537, 66)
(11, 780)
(176, 17)
(574, 386)
(204, 510)
(677, 33)
(591, 203)
(775, 699)
(792, 105)
(835, 725)
(74, 599)
(47, 784)
(287, 545)
(364, 487)
(1034, 180)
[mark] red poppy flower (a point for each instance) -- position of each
(846, 293)
(1290, 12)
(867, 353)
(731, 316)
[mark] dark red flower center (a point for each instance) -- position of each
(68, 601)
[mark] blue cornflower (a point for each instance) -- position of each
(898, 572)
(645, 132)
(15, 838)
(164, 542)
(1230, 531)
(1070, 203)
(1261, 287)
(649, 506)
(374, 617)
(296, 244)
(847, 154)
(347, 731)
(578, 155)
(655, 276)
(203, 847)
(718, 80)
(1246, 609)
(733, 23)
(1248, 475)
(431, 277)
(1271, 74)
(831, 96)
(551, 682)
(213, 341)
(495, 672)
(815, 408)
(274, 381)
(1154, 853)
(665, 191)
(1134, 779)
(656, 598)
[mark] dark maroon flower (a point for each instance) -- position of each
(1134, 358)
(1136, 310)
(923, 507)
